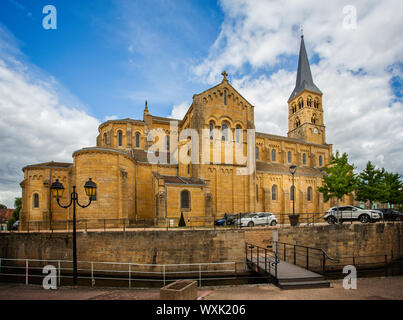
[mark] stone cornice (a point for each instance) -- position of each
(103, 151)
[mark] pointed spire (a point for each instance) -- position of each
(304, 75)
(146, 113)
(146, 109)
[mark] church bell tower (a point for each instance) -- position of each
(305, 110)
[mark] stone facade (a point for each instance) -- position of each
(374, 243)
(144, 247)
(207, 183)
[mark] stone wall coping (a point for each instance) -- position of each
(102, 150)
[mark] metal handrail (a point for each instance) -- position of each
(186, 269)
(269, 264)
(312, 248)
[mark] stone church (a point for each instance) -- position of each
(132, 188)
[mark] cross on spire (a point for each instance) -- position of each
(224, 74)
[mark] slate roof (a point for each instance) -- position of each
(51, 164)
(284, 168)
(179, 180)
(304, 75)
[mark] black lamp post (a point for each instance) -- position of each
(293, 218)
(57, 192)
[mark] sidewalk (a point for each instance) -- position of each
(367, 289)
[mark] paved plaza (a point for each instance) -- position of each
(367, 289)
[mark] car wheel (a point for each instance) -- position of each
(331, 220)
(273, 223)
(250, 224)
(364, 218)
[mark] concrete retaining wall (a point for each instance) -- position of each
(150, 247)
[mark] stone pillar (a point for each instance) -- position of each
(267, 199)
(129, 135)
(320, 202)
(302, 201)
(209, 205)
(160, 203)
(286, 201)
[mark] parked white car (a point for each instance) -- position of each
(351, 213)
(259, 218)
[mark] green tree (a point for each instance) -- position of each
(16, 213)
(17, 208)
(392, 186)
(370, 184)
(339, 178)
(2, 206)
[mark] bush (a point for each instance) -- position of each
(182, 222)
(10, 223)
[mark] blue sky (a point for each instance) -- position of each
(113, 55)
(107, 57)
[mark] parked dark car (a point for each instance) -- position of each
(220, 222)
(15, 225)
(391, 215)
(227, 220)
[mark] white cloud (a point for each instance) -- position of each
(362, 115)
(179, 111)
(112, 117)
(39, 120)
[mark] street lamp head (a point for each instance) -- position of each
(90, 188)
(57, 189)
(293, 168)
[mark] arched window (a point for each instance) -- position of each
(167, 143)
(300, 104)
(257, 152)
(294, 108)
(211, 127)
(185, 199)
(105, 139)
(309, 194)
(309, 101)
(292, 193)
(297, 123)
(137, 140)
(188, 168)
(35, 201)
(225, 130)
(120, 138)
(274, 192)
(257, 192)
(314, 120)
(225, 97)
(289, 157)
(238, 133)
(304, 158)
(320, 161)
(273, 155)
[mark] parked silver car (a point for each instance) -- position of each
(259, 218)
(351, 213)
